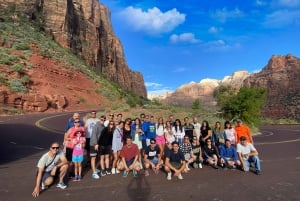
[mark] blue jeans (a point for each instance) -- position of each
(252, 159)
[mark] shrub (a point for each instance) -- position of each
(21, 46)
(18, 68)
(16, 85)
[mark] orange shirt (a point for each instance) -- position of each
(243, 130)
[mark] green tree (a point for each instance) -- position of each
(245, 104)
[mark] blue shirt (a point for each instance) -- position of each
(228, 153)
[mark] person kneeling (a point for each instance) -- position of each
(174, 162)
(129, 158)
(51, 164)
(152, 157)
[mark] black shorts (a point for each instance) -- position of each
(69, 153)
(104, 150)
(87, 144)
(93, 152)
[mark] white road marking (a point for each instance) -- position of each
(12, 142)
(39, 148)
(279, 142)
(298, 158)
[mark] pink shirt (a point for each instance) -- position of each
(78, 146)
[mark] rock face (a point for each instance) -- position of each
(281, 77)
(186, 94)
(84, 26)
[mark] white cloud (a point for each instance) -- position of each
(219, 45)
(179, 70)
(223, 15)
(153, 84)
(282, 18)
(260, 3)
(184, 38)
(214, 29)
(156, 89)
(289, 3)
(152, 21)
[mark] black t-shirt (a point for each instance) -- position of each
(151, 153)
(106, 137)
(175, 157)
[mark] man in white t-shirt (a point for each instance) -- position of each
(247, 155)
(51, 164)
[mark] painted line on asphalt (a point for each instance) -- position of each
(279, 142)
(298, 158)
(39, 125)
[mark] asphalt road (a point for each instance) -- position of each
(22, 143)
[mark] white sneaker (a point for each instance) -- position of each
(97, 171)
(95, 176)
(187, 167)
(180, 176)
(44, 187)
(113, 170)
(169, 177)
(117, 171)
(200, 165)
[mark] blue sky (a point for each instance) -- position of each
(175, 42)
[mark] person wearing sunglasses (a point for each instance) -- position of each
(51, 165)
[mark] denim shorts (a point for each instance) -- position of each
(77, 159)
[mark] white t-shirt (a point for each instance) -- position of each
(45, 160)
(244, 150)
(90, 125)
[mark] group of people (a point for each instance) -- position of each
(143, 143)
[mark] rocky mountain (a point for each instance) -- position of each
(84, 27)
(186, 94)
(281, 78)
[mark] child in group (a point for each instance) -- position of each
(78, 151)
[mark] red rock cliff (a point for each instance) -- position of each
(281, 77)
(84, 26)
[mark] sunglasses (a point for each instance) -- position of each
(54, 147)
(152, 142)
(76, 122)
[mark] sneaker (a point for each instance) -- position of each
(79, 178)
(44, 187)
(258, 172)
(169, 177)
(97, 171)
(108, 171)
(195, 165)
(61, 185)
(95, 176)
(135, 173)
(180, 177)
(215, 166)
(200, 165)
(113, 170)
(125, 173)
(117, 171)
(146, 173)
(75, 178)
(187, 167)
(103, 173)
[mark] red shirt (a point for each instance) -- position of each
(129, 152)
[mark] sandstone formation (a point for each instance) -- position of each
(281, 77)
(186, 94)
(84, 26)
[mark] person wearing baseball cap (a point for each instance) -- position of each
(248, 154)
